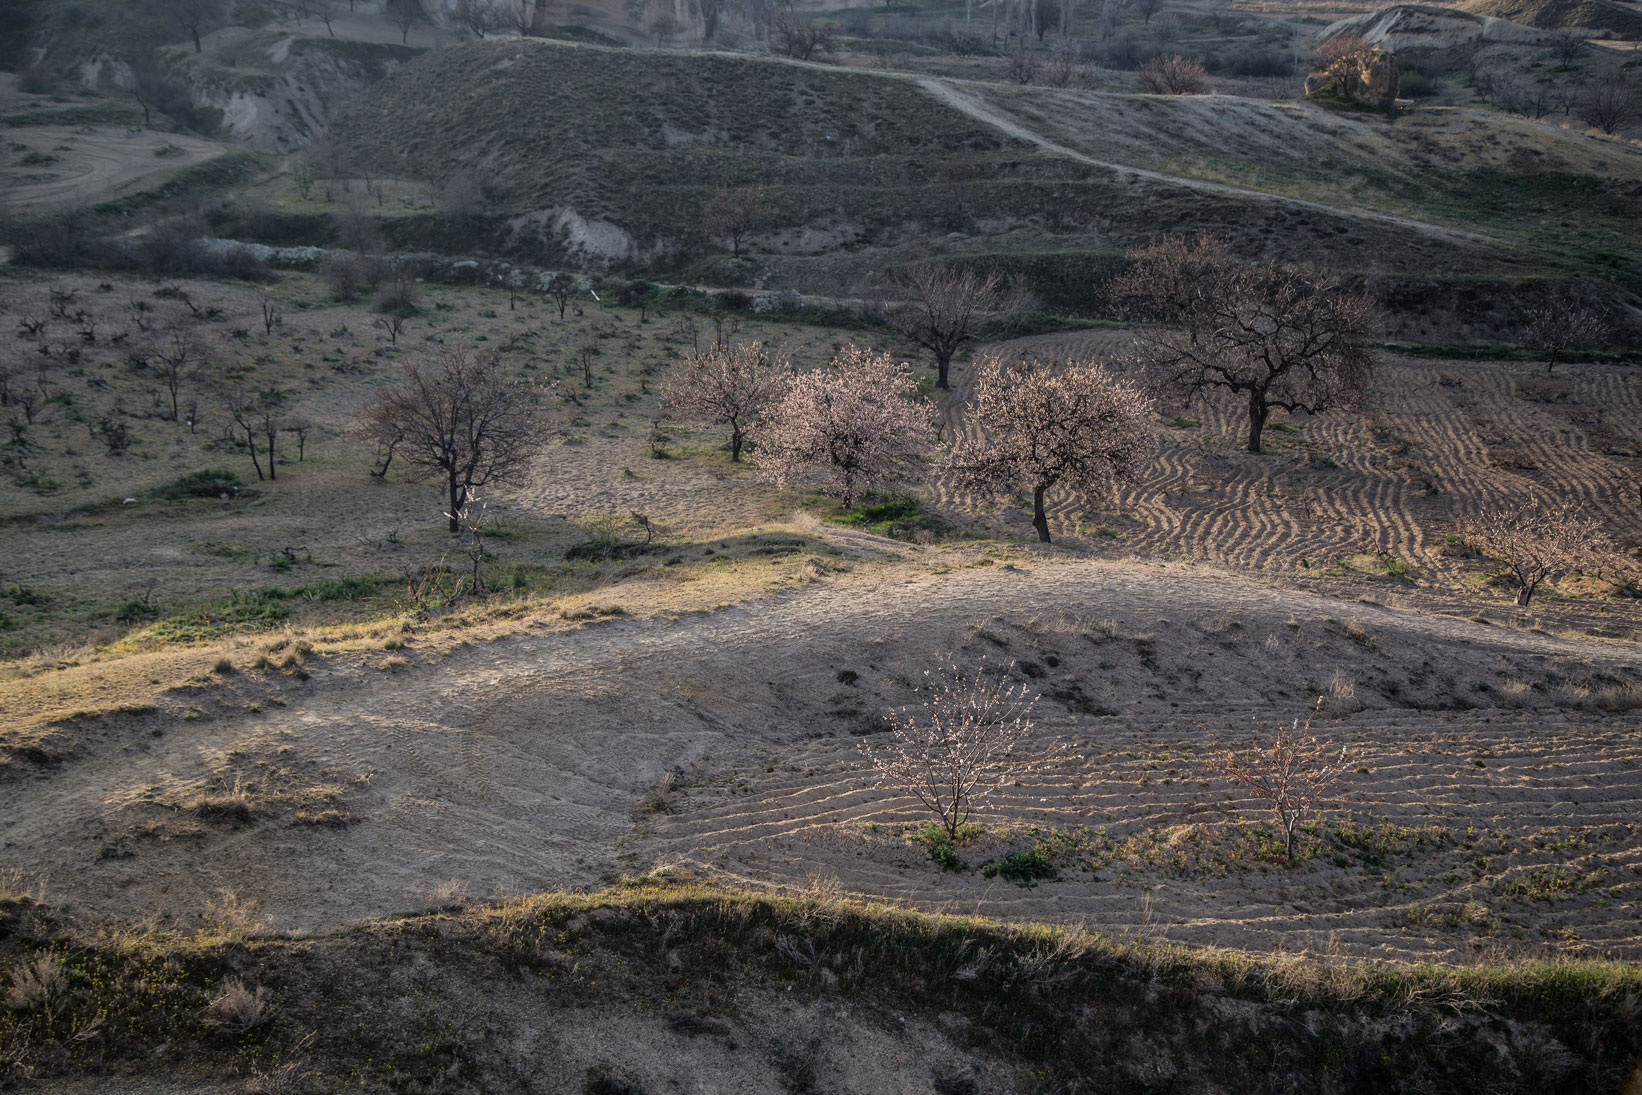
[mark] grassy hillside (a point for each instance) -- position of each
(652, 985)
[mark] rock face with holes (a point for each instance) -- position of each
(1368, 76)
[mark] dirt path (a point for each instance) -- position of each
(93, 165)
(525, 763)
(950, 93)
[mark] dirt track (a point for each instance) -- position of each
(94, 164)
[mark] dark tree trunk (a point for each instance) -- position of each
(736, 439)
(1258, 413)
(1525, 595)
(943, 362)
(1040, 520)
(458, 495)
(196, 33)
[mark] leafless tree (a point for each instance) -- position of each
(257, 415)
(299, 428)
(460, 418)
(947, 306)
(404, 14)
(174, 347)
(1020, 65)
(1147, 9)
(1537, 542)
(731, 386)
(735, 213)
(1172, 75)
(273, 312)
(480, 17)
(1609, 104)
(964, 740)
(852, 424)
(798, 38)
(344, 273)
(560, 287)
(325, 11)
(1281, 338)
(1290, 771)
(1048, 425)
(194, 17)
(1569, 45)
(1564, 324)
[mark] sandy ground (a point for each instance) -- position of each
(93, 164)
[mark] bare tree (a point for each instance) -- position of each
(735, 214)
(1292, 772)
(404, 14)
(480, 17)
(852, 424)
(325, 11)
(963, 741)
(1536, 542)
(257, 416)
(273, 312)
(1147, 9)
(731, 386)
(560, 287)
(1172, 75)
(798, 38)
(947, 306)
(177, 351)
(1569, 45)
(460, 418)
(194, 17)
(1564, 324)
(1281, 338)
(1045, 425)
(1608, 104)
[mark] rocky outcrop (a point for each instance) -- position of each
(285, 95)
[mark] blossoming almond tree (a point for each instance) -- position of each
(854, 425)
(1047, 425)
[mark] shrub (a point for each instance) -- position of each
(212, 483)
(1025, 868)
(238, 1007)
(1172, 75)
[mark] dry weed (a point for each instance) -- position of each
(238, 1006)
(37, 985)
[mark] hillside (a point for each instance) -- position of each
(1595, 16)
(603, 156)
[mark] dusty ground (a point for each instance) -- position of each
(91, 164)
(717, 724)
(544, 761)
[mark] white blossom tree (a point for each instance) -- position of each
(1045, 425)
(854, 425)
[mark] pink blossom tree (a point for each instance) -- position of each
(853, 425)
(731, 386)
(1045, 425)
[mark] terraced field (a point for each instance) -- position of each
(1384, 482)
